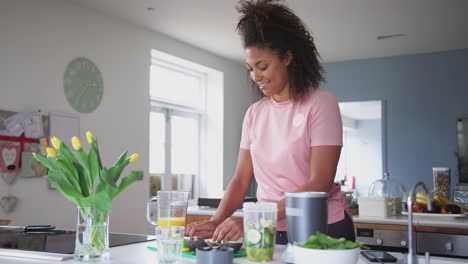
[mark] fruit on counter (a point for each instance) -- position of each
(436, 202)
(419, 208)
(236, 245)
(449, 206)
(421, 198)
(440, 205)
(195, 242)
(442, 200)
(260, 240)
(435, 209)
(454, 209)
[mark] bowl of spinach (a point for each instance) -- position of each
(324, 249)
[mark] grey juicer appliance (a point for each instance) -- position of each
(306, 214)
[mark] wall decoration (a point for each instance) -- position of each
(64, 125)
(33, 126)
(83, 85)
(8, 203)
(14, 124)
(31, 167)
(9, 178)
(9, 158)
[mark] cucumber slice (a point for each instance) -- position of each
(253, 236)
(266, 222)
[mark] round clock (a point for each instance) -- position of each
(82, 84)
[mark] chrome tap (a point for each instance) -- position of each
(412, 258)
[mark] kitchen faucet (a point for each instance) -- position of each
(412, 258)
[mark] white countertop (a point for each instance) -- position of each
(139, 253)
(435, 220)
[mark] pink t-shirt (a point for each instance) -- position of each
(279, 136)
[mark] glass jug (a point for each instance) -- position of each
(170, 208)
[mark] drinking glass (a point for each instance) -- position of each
(169, 240)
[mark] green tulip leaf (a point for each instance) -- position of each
(65, 152)
(59, 181)
(129, 179)
(69, 171)
(95, 146)
(107, 184)
(93, 165)
(45, 161)
(101, 201)
(82, 178)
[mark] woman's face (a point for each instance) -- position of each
(268, 71)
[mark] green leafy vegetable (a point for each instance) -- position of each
(322, 241)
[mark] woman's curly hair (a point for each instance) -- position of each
(271, 24)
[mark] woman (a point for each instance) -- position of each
(292, 137)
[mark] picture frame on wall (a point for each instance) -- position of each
(63, 126)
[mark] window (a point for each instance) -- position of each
(181, 120)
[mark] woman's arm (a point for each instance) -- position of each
(233, 198)
(323, 163)
(237, 188)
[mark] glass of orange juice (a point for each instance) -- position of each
(168, 207)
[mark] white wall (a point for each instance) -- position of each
(39, 38)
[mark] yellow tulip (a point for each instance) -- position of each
(134, 158)
(51, 152)
(90, 137)
(76, 143)
(56, 142)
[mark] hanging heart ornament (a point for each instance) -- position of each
(8, 203)
(9, 156)
(9, 177)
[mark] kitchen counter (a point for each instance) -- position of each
(139, 253)
(202, 210)
(434, 221)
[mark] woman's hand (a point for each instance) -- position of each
(231, 229)
(202, 229)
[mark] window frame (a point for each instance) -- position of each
(171, 108)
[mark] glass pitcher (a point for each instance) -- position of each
(169, 207)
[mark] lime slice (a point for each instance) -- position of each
(253, 236)
(266, 222)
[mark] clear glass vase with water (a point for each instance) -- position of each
(92, 236)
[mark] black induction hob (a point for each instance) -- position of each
(56, 241)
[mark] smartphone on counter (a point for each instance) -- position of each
(378, 256)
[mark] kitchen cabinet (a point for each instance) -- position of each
(391, 233)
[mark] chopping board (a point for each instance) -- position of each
(192, 254)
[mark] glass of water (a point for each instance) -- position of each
(169, 242)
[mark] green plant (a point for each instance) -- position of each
(82, 178)
(322, 241)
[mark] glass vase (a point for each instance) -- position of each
(92, 236)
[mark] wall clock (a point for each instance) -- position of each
(83, 85)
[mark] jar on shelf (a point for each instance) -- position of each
(386, 198)
(441, 177)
